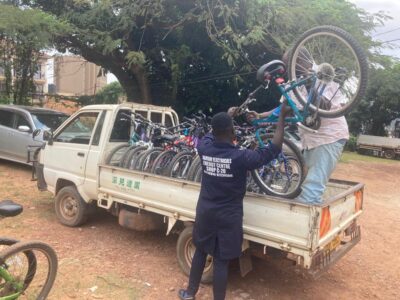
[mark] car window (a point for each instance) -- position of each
(79, 129)
(48, 121)
(168, 121)
(6, 118)
(156, 117)
(22, 121)
(122, 127)
(99, 128)
(143, 113)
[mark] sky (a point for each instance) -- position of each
(391, 8)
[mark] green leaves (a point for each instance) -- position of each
(135, 58)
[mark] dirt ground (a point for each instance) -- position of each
(102, 260)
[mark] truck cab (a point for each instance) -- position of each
(93, 130)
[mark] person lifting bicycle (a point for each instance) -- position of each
(218, 228)
(322, 149)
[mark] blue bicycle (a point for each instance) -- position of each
(327, 74)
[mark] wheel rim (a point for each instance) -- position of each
(275, 178)
(69, 207)
(181, 167)
(325, 53)
(190, 249)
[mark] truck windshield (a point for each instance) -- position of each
(48, 121)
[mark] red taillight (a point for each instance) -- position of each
(359, 200)
(325, 223)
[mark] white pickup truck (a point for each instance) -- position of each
(72, 166)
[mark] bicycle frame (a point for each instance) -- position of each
(6, 276)
(284, 89)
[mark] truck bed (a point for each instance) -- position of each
(280, 223)
(378, 141)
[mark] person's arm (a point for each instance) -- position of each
(279, 131)
(256, 158)
(206, 141)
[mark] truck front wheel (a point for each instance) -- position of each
(71, 209)
(185, 251)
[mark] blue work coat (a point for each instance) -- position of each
(218, 228)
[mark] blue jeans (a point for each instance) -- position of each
(320, 162)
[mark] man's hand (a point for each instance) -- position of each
(232, 111)
(285, 109)
(251, 116)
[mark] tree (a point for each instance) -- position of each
(23, 34)
(381, 103)
(110, 94)
(164, 50)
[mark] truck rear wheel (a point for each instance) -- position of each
(389, 154)
(71, 209)
(185, 251)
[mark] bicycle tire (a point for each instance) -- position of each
(177, 159)
(113, 152)
(147, 158)
(31, 246)
(124, 157)
(359, 55)
(132, 157)
(195, 171)
(30, 256)
(292, 152)
(162, 161)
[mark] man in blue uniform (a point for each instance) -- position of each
(218, 228)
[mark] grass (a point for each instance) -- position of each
(353, 156)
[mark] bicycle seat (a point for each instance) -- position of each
(271, 70)
(166, 137)
(9, 208)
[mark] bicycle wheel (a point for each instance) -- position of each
(5, 243)
(116, 154)
(284, 175)
(195, 172)
(341, 67)
(180, 165)
(162, 161)
(147, 159)
(132, 157)
(15, 261)
(124, 157)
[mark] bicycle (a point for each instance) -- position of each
(22, 263)
(327, 77)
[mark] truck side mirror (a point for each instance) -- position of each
(48, 136)
(35, 133)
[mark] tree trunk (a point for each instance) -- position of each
(143, 84)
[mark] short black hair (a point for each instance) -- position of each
(221, 124)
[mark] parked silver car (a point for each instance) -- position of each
(17, 123)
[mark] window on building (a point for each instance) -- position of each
(38, 73)
(79, 130)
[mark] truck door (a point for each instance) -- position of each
(69, 152)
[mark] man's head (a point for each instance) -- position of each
(222, 125)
